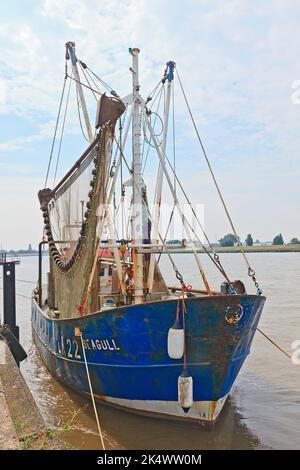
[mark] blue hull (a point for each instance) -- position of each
(126, 351)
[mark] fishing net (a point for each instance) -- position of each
(70, 287)
(73, 218)
(71, 213)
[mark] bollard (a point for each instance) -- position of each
(9, 297)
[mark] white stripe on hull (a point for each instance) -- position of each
(206, 411)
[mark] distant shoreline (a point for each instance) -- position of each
(288, 248)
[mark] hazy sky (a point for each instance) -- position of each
(239, 61)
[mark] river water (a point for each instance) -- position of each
(263, 410)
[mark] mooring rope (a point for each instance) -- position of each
(92, 393)
(277, 345)
(23, 280)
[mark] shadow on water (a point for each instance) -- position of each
(123, 430)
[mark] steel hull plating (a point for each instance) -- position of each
(126, 351)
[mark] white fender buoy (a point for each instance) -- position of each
(185, 390)
(175, 341)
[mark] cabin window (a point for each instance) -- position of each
(101, 272)
(110, 270)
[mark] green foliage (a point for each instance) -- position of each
(278, 240)
(249, 240)
(294, 241)
(49, 438)
(228, 240)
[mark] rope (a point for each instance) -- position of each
(250, 270)
(83, 84)
(23, 280)
(100, 79)
(183, 308)
(215, 259)
(79, 116)
(92, 393)
(184, 219)
(148, 142)
(167, 231)
(92, 80)
(276, 345)
(62, 132)
(173, 136)
(178, 275)
(154, 90)
(85, 76)
(56, 126)
(184, 332)
(123, 156)
(20, 295)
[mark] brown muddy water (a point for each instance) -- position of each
(263, 410)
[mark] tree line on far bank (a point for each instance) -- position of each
(231, 240)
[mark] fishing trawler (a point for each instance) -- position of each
(107, 324)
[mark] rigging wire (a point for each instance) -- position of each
(177, 273)
(216, 258)
(167, 231)
(251, 272)
(87, 80)
(79, 116)
(56, 126)
(92, 80)
(121, 125)
(144, 163)
(123, 156)
(107, 202)
(174, 167)
(62, 132)
(157, 116)
(154, 90)
(173, 135)
(83, 84)
(100, 80)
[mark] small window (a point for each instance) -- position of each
(110, 271)
(101, 272)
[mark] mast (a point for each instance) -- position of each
(160, 175)
(137, 222)
(70, 53)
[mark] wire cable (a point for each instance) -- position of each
(55, 131)
(79, 116)
(83, 84)
(250, 270)
(87, 80)
(62, 132)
